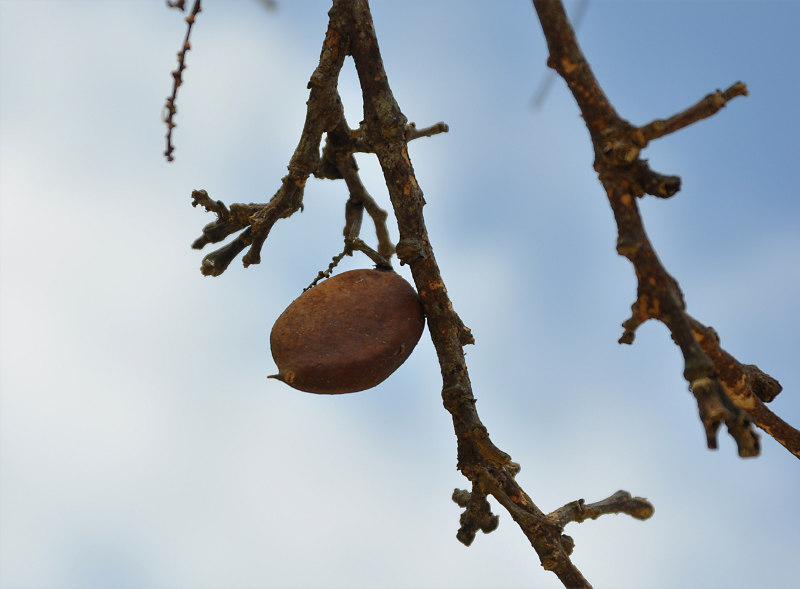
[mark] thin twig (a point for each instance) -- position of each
(170, 108)
(705, 108)
(620, 502)
(386, 133)
(413, 133)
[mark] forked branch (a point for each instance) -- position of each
(489, 469)
(726, 391)
(386, 133)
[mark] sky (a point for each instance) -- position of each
(143, 447)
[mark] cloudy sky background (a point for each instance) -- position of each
(142, 445)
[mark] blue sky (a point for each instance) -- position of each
(142, 445)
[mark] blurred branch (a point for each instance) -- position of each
(269, 4)
(726, 391)
(748, 387)
(413, 133)
(705, 108)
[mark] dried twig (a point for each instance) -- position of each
(726, 391)
(490, 470)
(722, 386)
(170, 108)
(619, 502)
(707, 107)
(386, 133)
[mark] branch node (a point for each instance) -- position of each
(358, 244)
(411, 250)
(628, 245)
(477, 514)
(715, 408)
(659, 185)
(764, 386)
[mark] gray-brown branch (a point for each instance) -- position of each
(726, 391)
(490, 470)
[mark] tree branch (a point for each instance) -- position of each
(620, 502)
(625, 176)
(324, 115)
(490, 470)
(707, 107)
(170, 108)
(725, 390)
(748, 387)
(386, 133)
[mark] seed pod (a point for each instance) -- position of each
(348, 333)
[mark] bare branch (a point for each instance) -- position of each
(228, 221)
(707, 107)
(625, 176)
(490, 469)
(170, 108)
(726, 391)
(748, 387)
(620, 502)
(338, 162)
(386, 133)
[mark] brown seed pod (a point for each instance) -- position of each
(348, 333)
